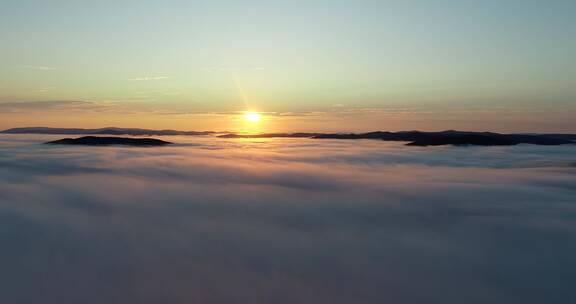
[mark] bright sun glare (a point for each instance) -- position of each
(252, 117)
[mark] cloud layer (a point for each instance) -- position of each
(286, 221)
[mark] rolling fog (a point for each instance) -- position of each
(286, 221)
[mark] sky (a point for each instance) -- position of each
(286, 221)
(306, 65)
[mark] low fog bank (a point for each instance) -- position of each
(286, 221)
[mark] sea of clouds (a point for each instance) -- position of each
(286, 221)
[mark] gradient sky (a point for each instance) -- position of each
(310, 65)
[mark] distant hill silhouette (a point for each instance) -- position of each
(488, 139)
(101, 131)
(107, 141)
(414, 138)
(450, 137)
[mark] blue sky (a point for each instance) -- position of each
(289, 56)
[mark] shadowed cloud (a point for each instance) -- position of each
(286, 221)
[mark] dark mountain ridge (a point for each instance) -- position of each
(419, 138)
(451, 137)
(108, 141)
(414, 138)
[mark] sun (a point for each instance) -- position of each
(252, 117)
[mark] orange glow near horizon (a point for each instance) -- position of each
(327, 122)
(251, 122)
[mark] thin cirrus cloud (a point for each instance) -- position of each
(40, 68)
(51, 106)
(137, 105)
(42, 105)
(148, 78)
(287, 221)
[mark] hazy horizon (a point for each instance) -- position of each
(259, 130)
